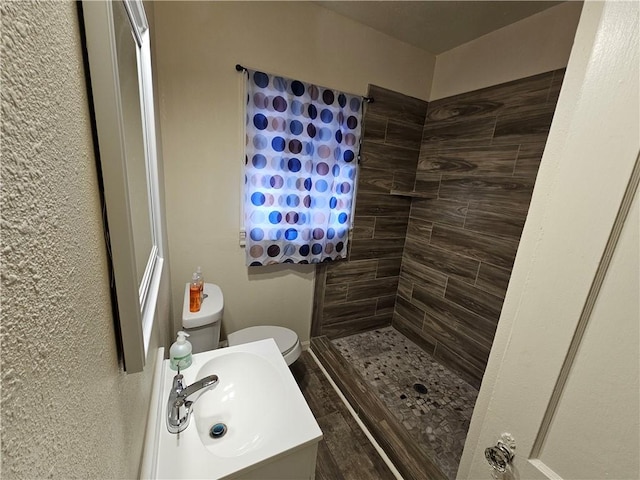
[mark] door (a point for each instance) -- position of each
(562, 377)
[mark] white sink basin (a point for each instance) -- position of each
(249, 405)
(269, 424)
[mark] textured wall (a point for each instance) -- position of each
(478, 161)
(360, 294)
(67, 409)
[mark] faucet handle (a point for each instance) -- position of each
(178, 382)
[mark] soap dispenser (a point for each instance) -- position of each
(180, 352)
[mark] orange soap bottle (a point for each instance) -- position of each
(200, 282)
(194, 294)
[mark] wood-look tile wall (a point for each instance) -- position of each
(479, 158)
(360, 294)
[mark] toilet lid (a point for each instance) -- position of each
(285, 338)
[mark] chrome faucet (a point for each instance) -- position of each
(179, 405)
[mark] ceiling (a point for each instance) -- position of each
(436, 26)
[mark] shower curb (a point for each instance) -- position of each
(410, 460)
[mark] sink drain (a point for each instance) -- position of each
(218, 430)
(420, 388)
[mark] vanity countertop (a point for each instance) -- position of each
(257, 399)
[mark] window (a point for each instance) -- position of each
(118, 47)
(301, 162)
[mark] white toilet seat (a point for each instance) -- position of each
(286, 339)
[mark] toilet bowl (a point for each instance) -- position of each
(203, 327)
(286, 339)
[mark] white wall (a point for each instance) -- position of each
(198, 45)
(67, 409)
(537, 44)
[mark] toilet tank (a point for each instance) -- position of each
(203, 327)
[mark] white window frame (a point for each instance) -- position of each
(136, 302)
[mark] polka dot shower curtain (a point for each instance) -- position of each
(301, 159)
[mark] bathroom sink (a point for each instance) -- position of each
(249, 405)
(270, 431)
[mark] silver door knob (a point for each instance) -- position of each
(500, 456)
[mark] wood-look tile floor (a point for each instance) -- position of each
(344, 452)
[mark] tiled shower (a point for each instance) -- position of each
(443, 192)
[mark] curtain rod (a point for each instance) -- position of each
(240, 68)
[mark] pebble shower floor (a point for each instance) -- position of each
(427, 398)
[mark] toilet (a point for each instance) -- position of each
(286, 339)
(203, 327)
